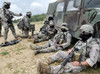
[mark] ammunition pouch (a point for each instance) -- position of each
(76, 56)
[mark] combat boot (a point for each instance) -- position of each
(33, 47)
(36, 52)
(43, 68)
(48, 61)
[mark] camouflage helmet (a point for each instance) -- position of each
(50, 17)
(65, 26)
(87, 29)
(6, 3)
(28, 13)
(51, 23)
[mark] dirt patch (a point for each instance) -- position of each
(19, 58)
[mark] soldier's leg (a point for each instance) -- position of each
(26, 33)
(33, 47)
(13, 30)
(0, 28)
(6, 29)
(47, 50)
(45, 69)
(60, 55)
(68, 68)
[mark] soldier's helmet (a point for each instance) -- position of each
(50, 17)
(87, 29)
(6, 3)
(51, 23)
(64, 26)
(28, 13)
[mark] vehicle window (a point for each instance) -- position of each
(70, 6)
(60, 7)
(92, 4)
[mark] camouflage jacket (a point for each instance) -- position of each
(63, 38)
(90, 48)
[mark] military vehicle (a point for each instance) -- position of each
(76, 13)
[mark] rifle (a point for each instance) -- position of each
(13, 42)
(32, 28)
(67, 59)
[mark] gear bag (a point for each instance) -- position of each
(20, 24)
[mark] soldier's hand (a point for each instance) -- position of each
(20, 14)
(58, 45)
(69, 51)
(75, 63)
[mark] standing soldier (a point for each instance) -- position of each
(60, 42)
(86, 55)
(0, 28)
(6, 19)
(24, 25)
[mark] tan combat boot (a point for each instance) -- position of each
(48, 61)
(33, 47)
(43, 68)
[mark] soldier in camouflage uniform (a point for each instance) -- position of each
(60, 42)
(26, 25)
(87, 47)
(0, 28)
(6, 19)
(46, 34)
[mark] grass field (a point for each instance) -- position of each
(20, 59)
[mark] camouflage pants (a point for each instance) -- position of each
(39, 37)
(49, 47)
(26, 34)
(0, 28)
(6, 29)
(68, 68)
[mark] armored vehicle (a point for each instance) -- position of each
(76, 13)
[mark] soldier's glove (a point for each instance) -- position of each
(20, 14)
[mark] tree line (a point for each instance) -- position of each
(34, 18)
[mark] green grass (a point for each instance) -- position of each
(10, 66)
(4, 53)
(16, 72)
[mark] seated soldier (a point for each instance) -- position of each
(46, 32)
(85, 55)
(60, 41)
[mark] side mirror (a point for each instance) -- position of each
(77, 3)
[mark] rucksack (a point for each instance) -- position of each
(20, 24)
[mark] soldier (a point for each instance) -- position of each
(25, 25)
(46, 34)
(60, 42)
(6, 19)
(0, 28)
(85, 55)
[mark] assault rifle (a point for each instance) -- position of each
(13, 42)
(67, 59)
(32, 29)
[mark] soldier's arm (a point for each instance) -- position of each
(68, 41)
(93, 55)
(14, 14)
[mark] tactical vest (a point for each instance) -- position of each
(85, 50)
(61, 38)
